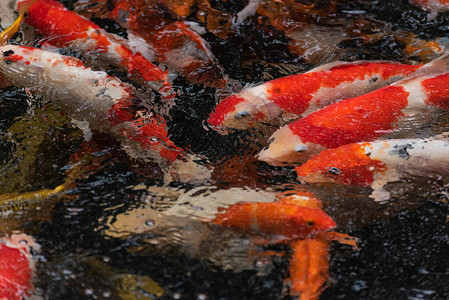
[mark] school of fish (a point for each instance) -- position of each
(331, 118)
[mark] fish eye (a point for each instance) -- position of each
(334, 171)
(310, 223)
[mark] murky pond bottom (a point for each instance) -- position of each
(121, 234)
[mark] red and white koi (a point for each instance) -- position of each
(290, 97)
(103, 101)
(378, 163)
(363, 118)
(17, 266)
(64, 28)
(156, 34)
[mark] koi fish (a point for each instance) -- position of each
(363, 118)
(104, 102)
(290, 97)
(64, 28)
(433, 6)
(378, 163)
(16, 266)
(274, 219)
(159, 36)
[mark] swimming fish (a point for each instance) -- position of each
(363, 118)
(274, 219)
(378, 163)
(290, 97)
(64, 28)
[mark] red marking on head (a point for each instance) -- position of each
(347, 164)
(225, 107)
(353, 120)
(15, 273)
(437, 91)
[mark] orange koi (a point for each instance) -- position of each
(296, 95)
(275, 219)
(64, 28)
(362, 118)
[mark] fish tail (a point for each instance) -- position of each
(439, 65)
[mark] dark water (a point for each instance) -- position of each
(160, 252)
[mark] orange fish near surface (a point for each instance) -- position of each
(293, 96)
(16, 266)
(309, 267)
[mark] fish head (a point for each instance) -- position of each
(348, 164)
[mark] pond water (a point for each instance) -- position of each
(121, 233)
